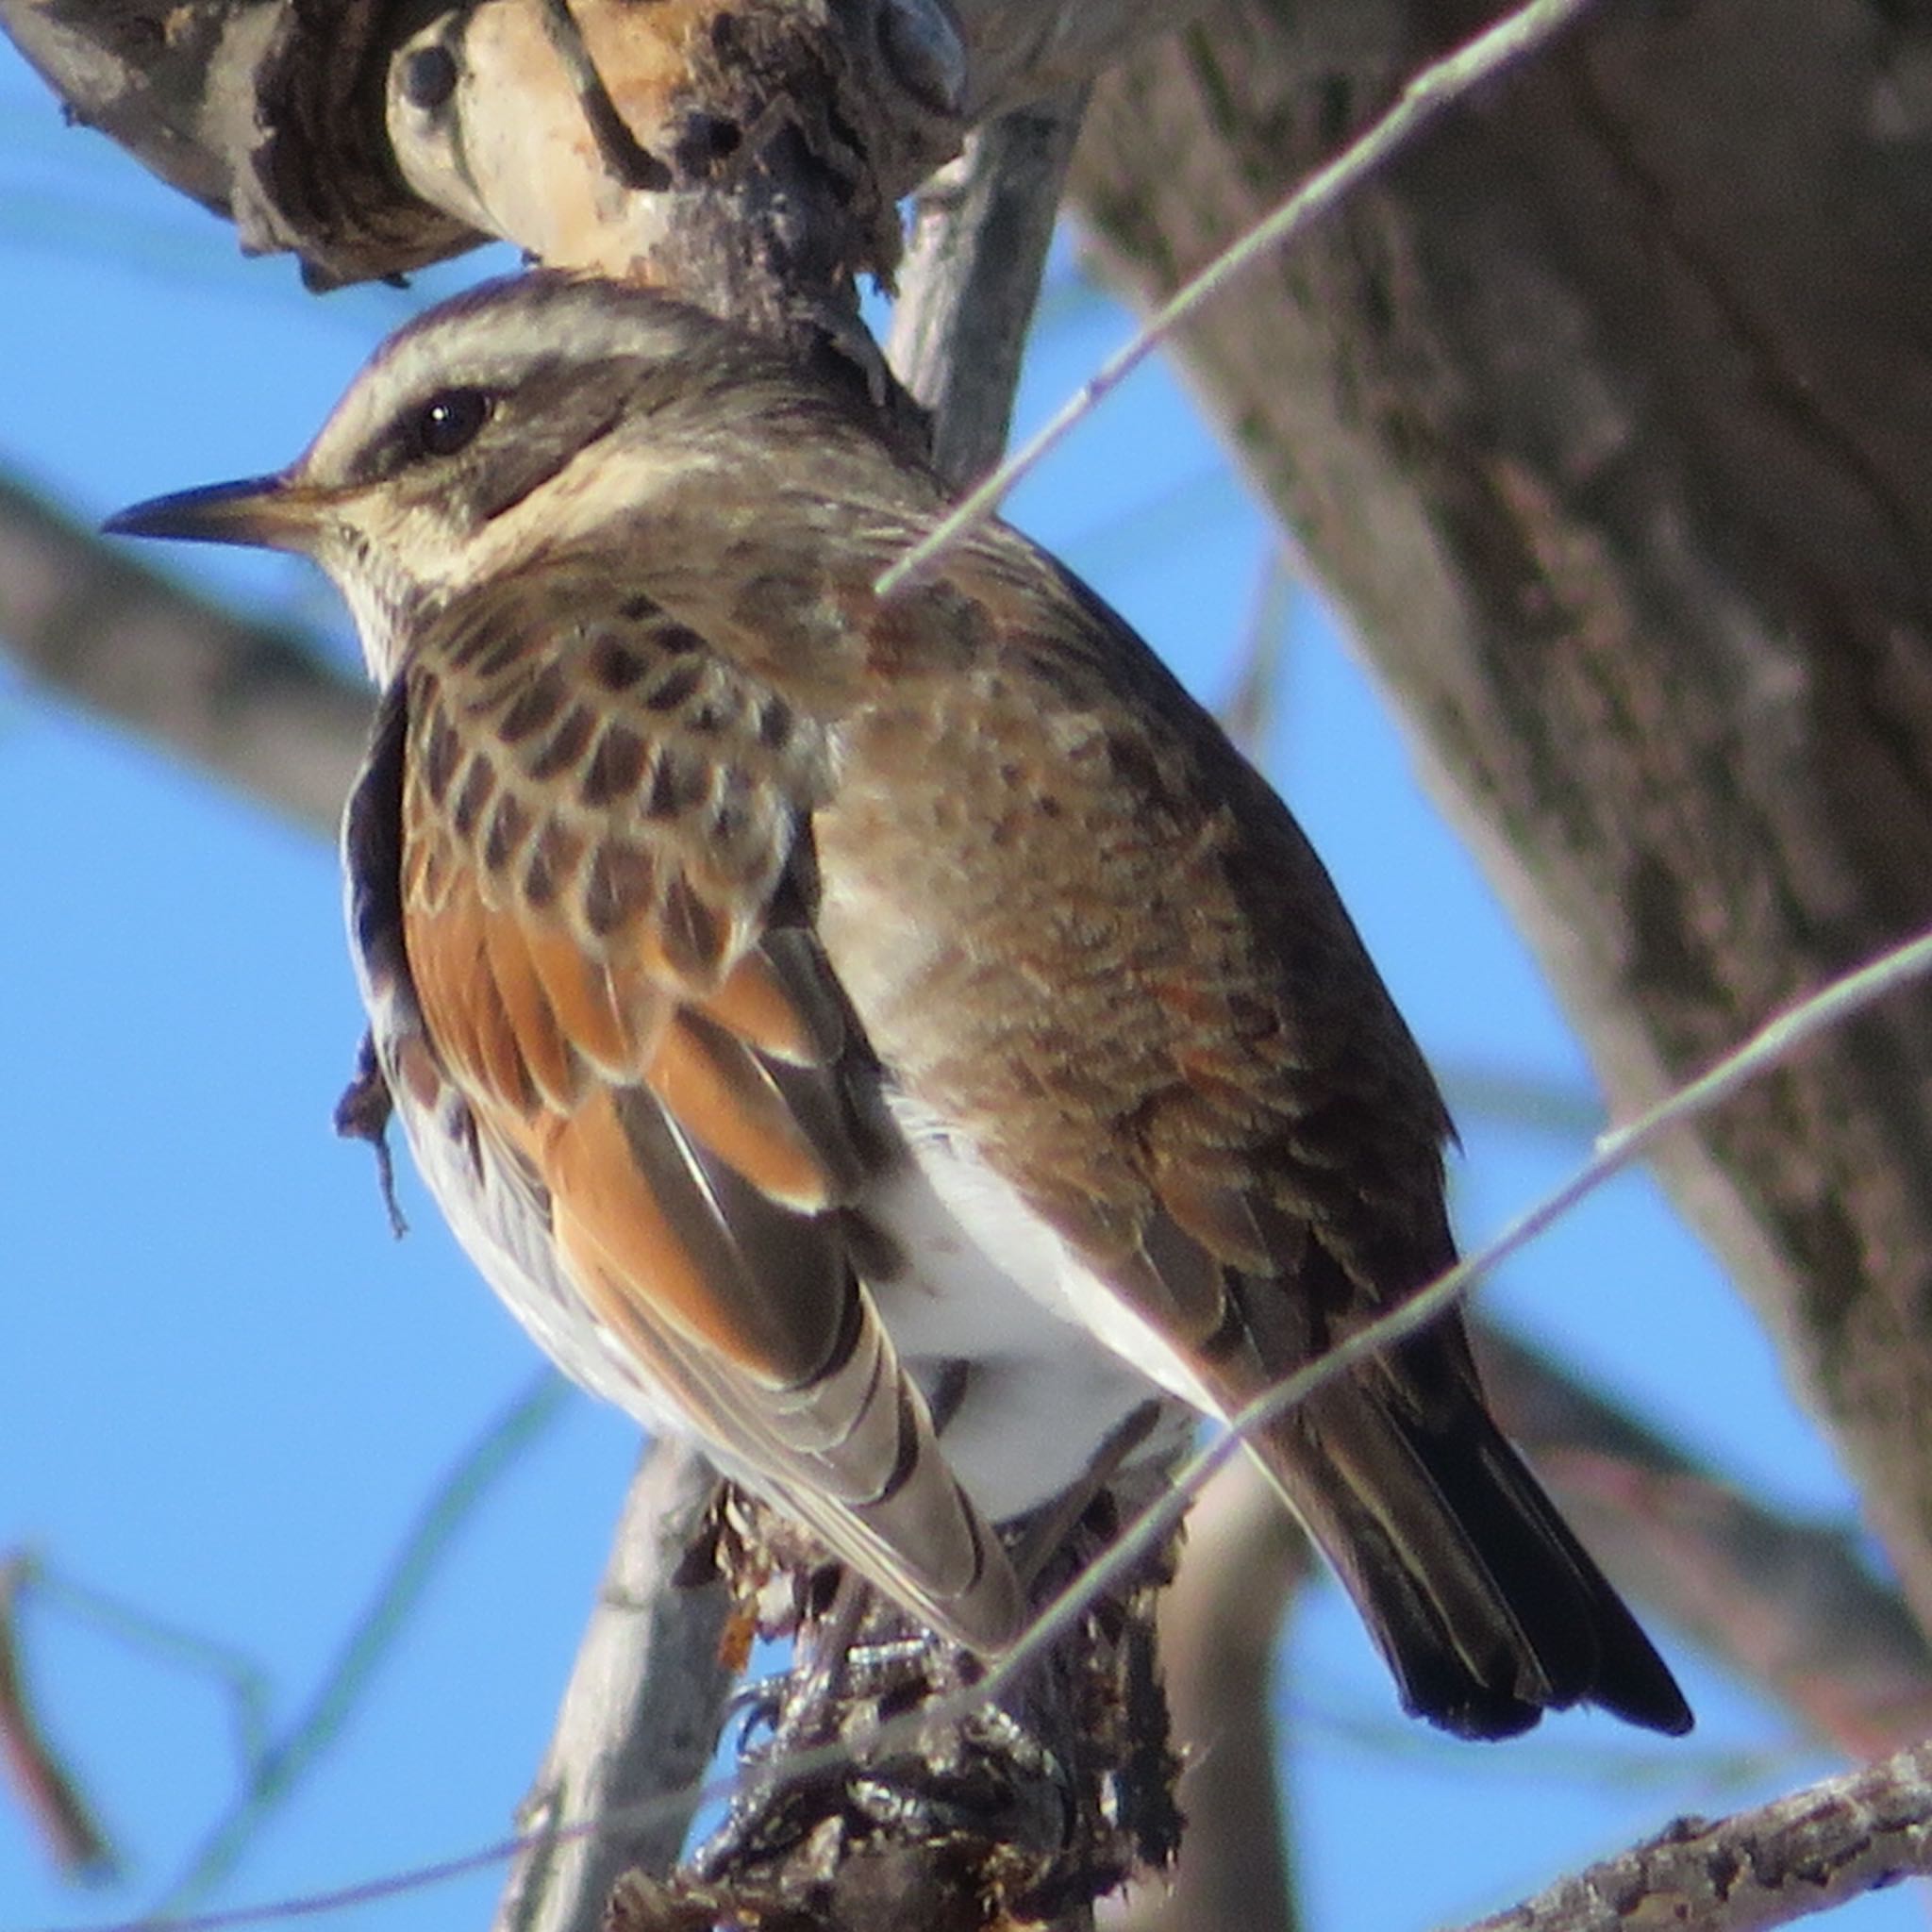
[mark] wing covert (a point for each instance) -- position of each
(620, 983)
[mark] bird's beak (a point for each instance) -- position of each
(274, 513)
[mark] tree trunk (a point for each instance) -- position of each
(1604, 414)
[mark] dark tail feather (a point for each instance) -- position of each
(1476, 1591)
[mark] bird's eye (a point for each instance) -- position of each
(449, 420)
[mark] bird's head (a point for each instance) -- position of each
(518, 419)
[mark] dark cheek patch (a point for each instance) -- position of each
(556, 414)
(503, 476)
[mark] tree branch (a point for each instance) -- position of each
(245, 701)
(1220, 1623)
(747, 152)
(641, 1715)
(1808, 1853)
(981, 231)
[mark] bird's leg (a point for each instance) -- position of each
(814, 1689)
(832, 1694)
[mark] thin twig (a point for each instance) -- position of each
(188, 1650)
(1775, 1042)
(374, 1633)
(45, 1788)
(1433, 92)
(1247, 712)
(1562, 1109)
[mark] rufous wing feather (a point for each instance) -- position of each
(677, 1075)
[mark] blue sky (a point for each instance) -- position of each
(225, 1391)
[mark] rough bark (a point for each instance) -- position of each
(745, 151)
(1819, 1848)
(639, 1717)
(1603, 414)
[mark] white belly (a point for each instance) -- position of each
(1056, 1361)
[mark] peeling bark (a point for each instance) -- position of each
(748, 152)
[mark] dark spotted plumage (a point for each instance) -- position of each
(806, 1007)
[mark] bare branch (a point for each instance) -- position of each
(754, 146)
(244, 701)
(1424, 100)
(1808, 1853)
(42, 1785)
(1220, 1622)
(639, 1717)
(972, 275)
(288, 1758)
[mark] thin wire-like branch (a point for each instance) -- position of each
(1569, 1110)
(508, 1437)
(1772, 1043)
(42, 1785)
(1807, 1852)
(1247, 713)
(188, 1650)
(1435, 90)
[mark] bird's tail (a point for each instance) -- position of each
(1476, 1591)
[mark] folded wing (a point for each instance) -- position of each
(615, 1014)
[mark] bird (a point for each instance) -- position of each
(893, 1039)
